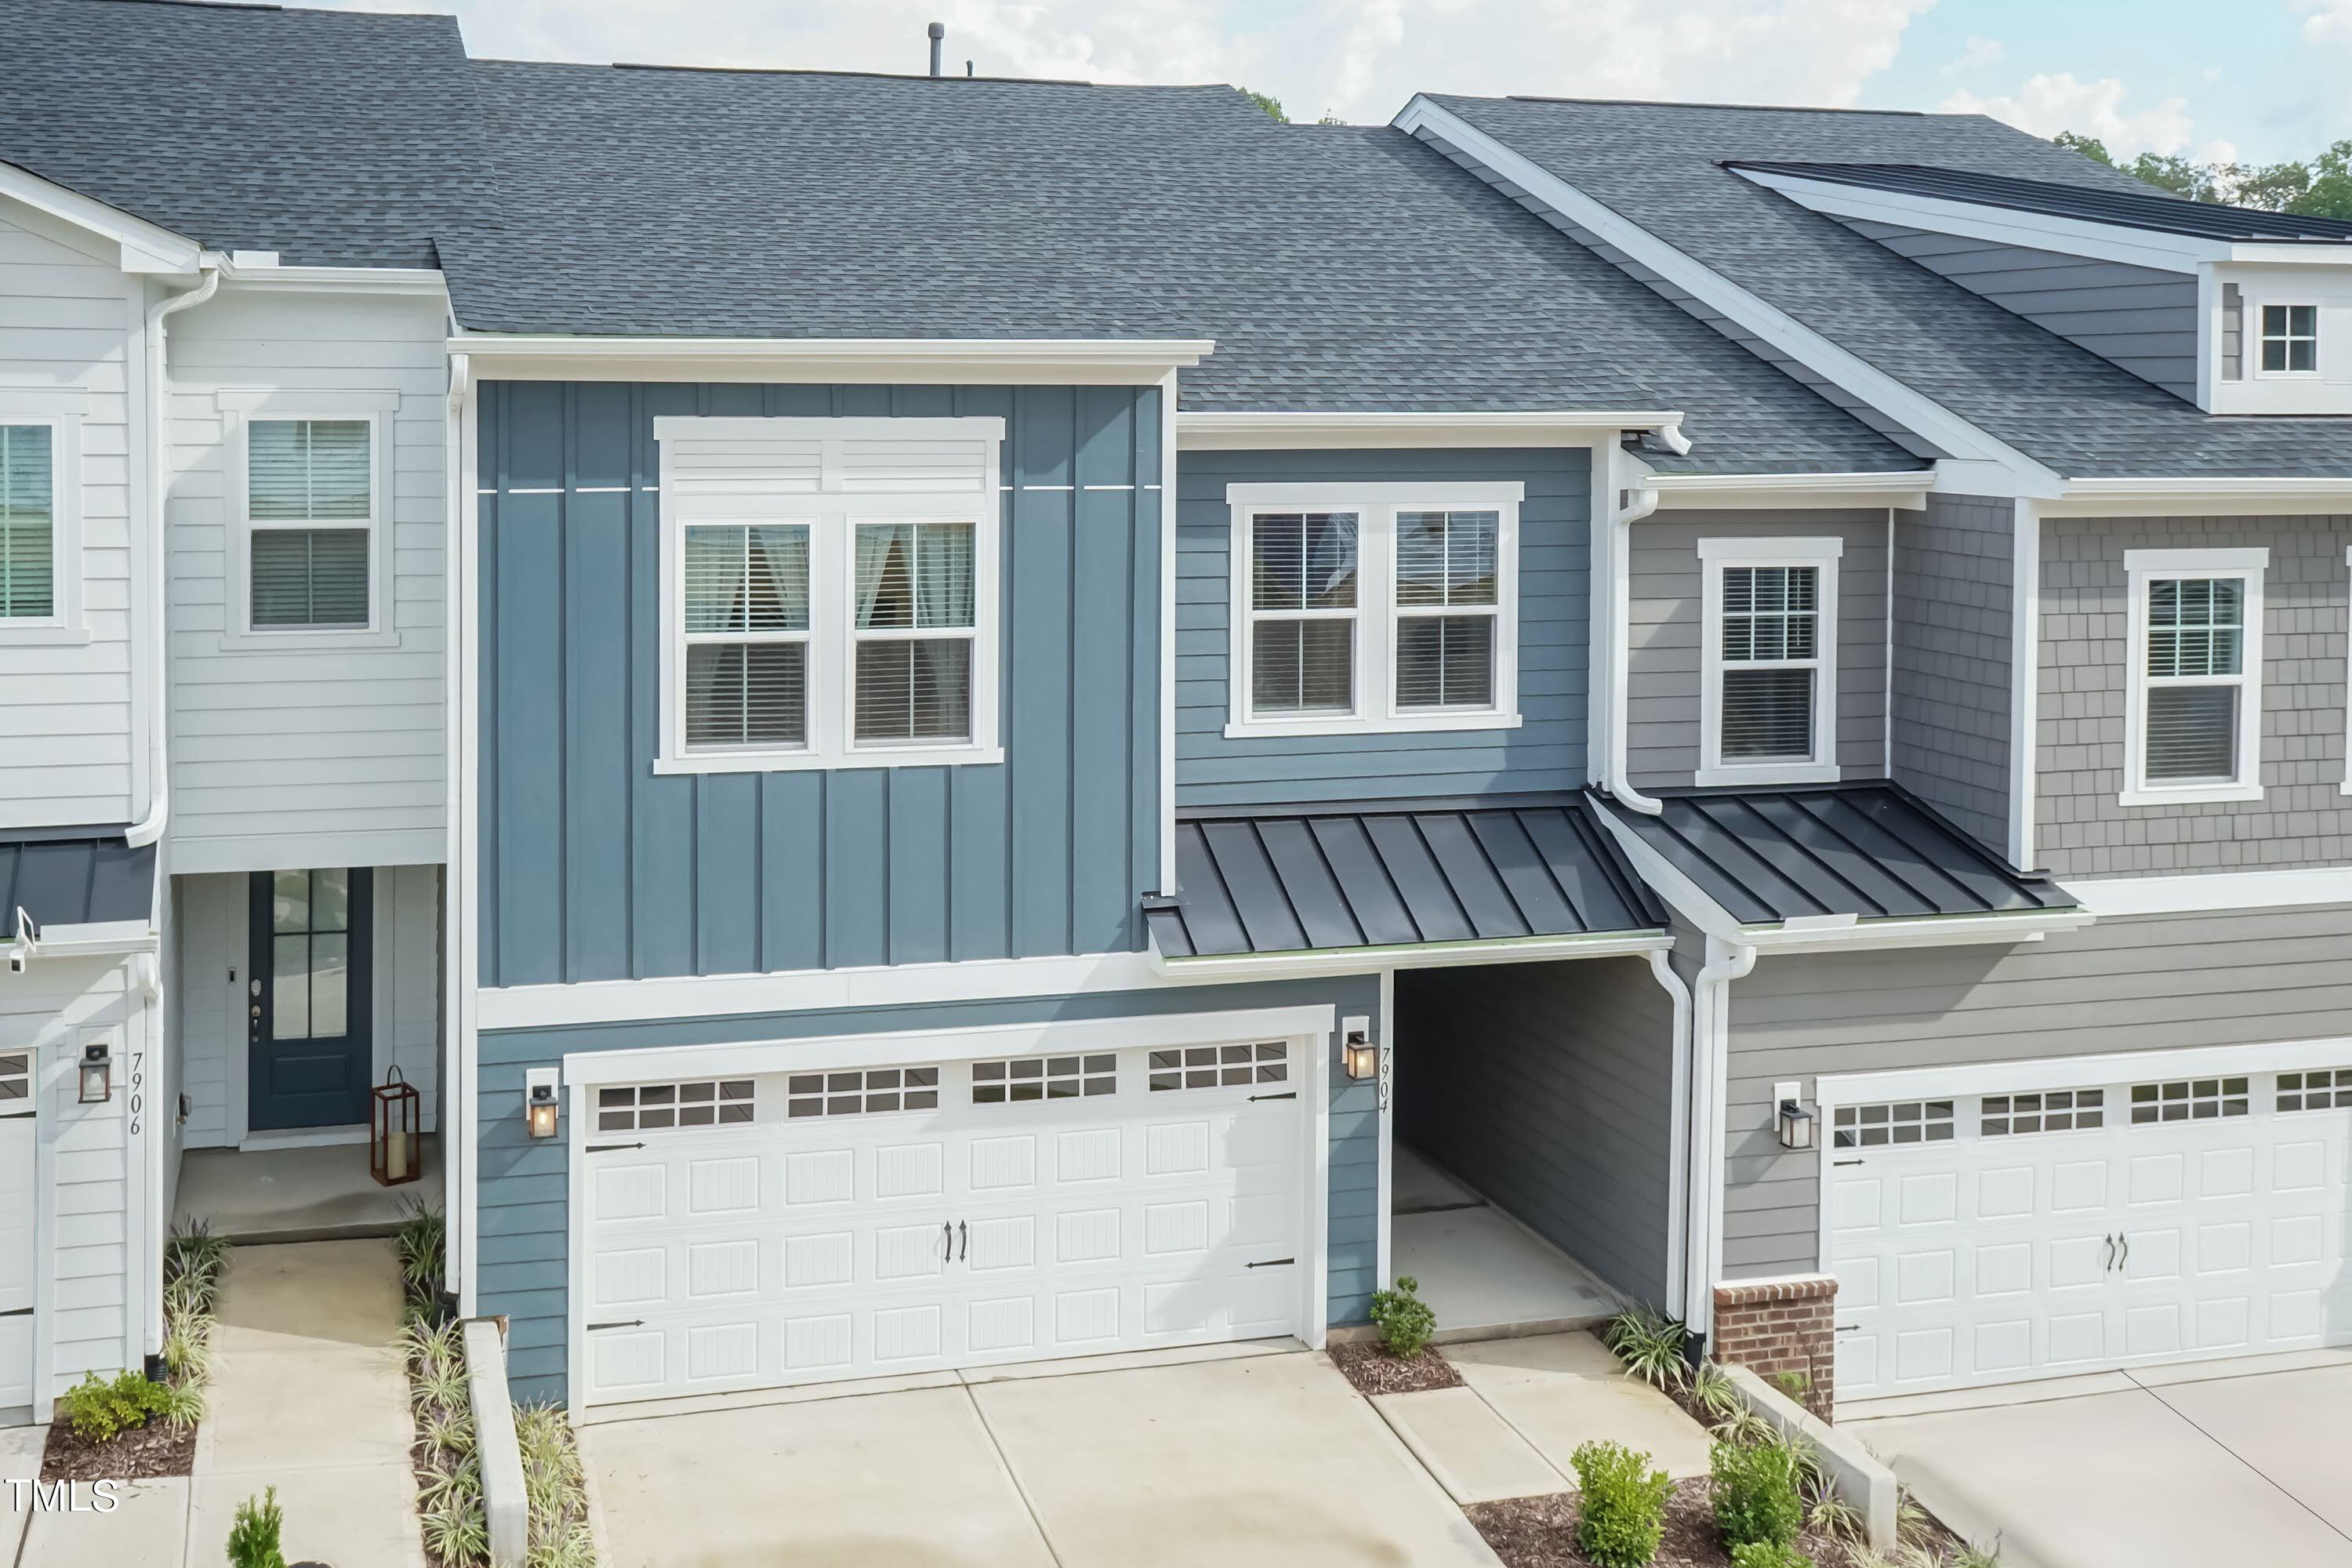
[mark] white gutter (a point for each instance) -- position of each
(1711, 1054)
(461, 1006)
(1407, 955)
(1678, 1128)
(1279, 429)
(1617, 765)
(150, 828)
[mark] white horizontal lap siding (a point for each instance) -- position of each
(68, 321)
(408, 982)
(309, 755)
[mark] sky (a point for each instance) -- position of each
(2256, 80)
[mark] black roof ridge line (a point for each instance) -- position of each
(690, 66)
(1703, 103)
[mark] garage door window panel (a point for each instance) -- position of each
(2056, 1111)
(1027, 1078)
(874, 1090)
(1893, 1124)
(2328, 1089)
(2189, 1099)
(1219, 1067)
(660, 1107)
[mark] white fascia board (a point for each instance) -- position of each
(1903, 491)
(1410, 955)
(421, 280)
(1840, 366)
(1203, 430)
(2044, 1073)
(2006, 226)
(1933, 930)
(145, 246)
(2267, 254)
(94, 940)
(957, 361)
(1159, 1029)
(2203, 497)
(2213, 891)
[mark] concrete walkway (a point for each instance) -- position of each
(1481, 1270)
(1242, 1460)
(1528, 1404)
(308, 1395)
(2199, 1464)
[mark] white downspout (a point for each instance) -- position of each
(1710, 1041)
(150, 828)
(1661, 968)
(1617, 768)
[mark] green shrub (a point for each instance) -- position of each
(253, 1538)
(1768, 1554)
(420, 1244)
(1650, 1344)
(1405, 1320)
(1795, 1384)
(1754, 1489)
(97, 1410)
(1620, 1505)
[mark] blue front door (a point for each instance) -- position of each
(307, 1008)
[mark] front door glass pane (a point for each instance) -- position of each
(310, 955)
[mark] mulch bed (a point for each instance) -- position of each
(153, 1449)
(1368, 1365)
(1541, 1532)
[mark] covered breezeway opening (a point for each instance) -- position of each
(1532, 1145)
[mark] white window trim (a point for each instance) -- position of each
(66, 622)
(2142, 567)
(238, 411)
(1714, 556)
(831, 516)
(2345, 787)
(1376, 506)
(2251, 338)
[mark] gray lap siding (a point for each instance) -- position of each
(1549, 1088)
(2303, 818)
(1952, 650)
(523, 1199)
(2147, 983)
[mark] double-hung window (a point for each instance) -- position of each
(311, 516)
(1367, 608)
(2193, 699)
(29, 524)
(2287, 340)
(1768, 680)
(829, 591)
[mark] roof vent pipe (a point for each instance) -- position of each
(938, 31)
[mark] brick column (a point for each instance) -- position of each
(1773, 1326)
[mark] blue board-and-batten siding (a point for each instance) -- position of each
(1547, 752)
(523, 1195)
(593, 867)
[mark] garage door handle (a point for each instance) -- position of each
(947, 1239)
(1271, 1263)
(963, 1233)
(608, 1148)
(2110, 1263)
(2125, 1261)
(17, 1312)
(627, 1323)
(1291, 1095)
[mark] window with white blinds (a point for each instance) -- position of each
(2194, 693)
(311, 514)
(1362, 608)
(1769, 684)
(29, 523)
(829, 591)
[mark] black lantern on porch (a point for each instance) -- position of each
(394, 1156)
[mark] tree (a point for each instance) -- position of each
(2329, 193)
(1273, 106)
(2321, 189)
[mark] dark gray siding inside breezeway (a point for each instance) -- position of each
(1549, 1088)
(524, 1210)
(593, 867)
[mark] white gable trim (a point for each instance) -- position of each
(1302, 430)
(144, 246)
(1772, 325)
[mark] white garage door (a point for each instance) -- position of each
(1987, 1239)
(17, 1208)
(743, 1233)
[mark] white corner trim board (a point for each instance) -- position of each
(1839, 365)
(2106, 897)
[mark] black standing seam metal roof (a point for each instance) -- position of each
(1402, 873)
(2165, 214)
(1873, 849)
(79, 878)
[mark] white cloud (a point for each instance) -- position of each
(1978, 54)
(2052, 103)
(1359, 58)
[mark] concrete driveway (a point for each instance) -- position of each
(1251, 1458)
(2208, 1463)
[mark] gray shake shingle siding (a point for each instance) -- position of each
(2048, 398)
(334, 138)
(2304, 817)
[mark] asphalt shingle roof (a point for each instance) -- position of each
(2143, 208)
(1338, 268)
(1662, 167)
(334, 138)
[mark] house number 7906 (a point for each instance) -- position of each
(138, 1084)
